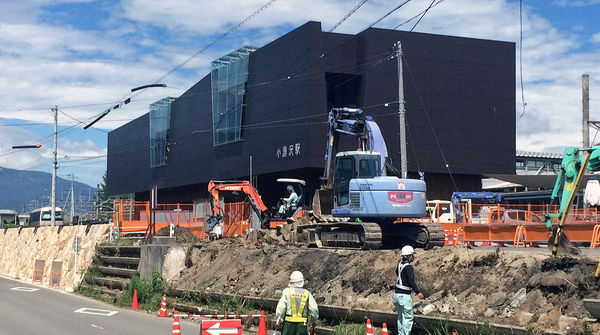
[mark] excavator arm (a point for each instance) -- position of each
(216, 186)
(352, 122)
(572, 168)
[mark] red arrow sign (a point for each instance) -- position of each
(222, 327)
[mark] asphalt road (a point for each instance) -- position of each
(29, 309)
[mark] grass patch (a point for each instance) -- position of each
(149, 293)
(344, 328)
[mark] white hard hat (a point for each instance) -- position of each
(296, 276)
(407, 250)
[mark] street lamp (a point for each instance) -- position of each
(33, 146)
(125, 102)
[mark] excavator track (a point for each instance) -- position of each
(330, 232)
(348, 235)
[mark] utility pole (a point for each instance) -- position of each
(72, 197)
(401, 112)
(55, 163)
(585, 103)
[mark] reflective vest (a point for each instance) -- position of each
(399, 283)
(298, 300)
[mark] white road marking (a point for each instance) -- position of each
(97, 326)
(25, 289)
(95, 311)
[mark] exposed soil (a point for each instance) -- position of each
(181, 234)
(519, 288)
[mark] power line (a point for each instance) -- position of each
(521, 56)
(362, 2)
(388, 14)
(424, 12)
(416, 16)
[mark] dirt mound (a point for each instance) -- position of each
(181, 234)
(523, 288)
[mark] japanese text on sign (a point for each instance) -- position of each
(289, 150)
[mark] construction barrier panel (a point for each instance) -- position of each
(56, 273)
(38, 272)
(133, 217)
(230, 327)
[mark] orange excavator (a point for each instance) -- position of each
(240, 191)
(235, 191)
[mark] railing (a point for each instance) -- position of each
(525, 224)
(133, 217)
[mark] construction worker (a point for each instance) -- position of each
(405, 285)
(290, 202)
(294, 307)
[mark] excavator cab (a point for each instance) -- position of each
(293, 212)
(350, 165)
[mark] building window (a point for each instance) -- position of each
(160, 120)
(229, 75)
(530, 164)
(520, 164)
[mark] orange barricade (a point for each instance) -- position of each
(133, 217)
(595, 237)
(525, 224)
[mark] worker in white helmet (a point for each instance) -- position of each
(295, 307)
(405, 285)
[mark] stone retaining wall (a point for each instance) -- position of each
(20, 250)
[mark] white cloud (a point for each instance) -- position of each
(86, 71)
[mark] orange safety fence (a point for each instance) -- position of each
(525, 224)
(133, 217)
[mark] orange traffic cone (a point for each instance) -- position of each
(446, 242)
(384, 330)
(369, 328)
(176, 329)
(134, 303)
(163, 307)
(262, 325)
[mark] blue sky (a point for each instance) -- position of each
(84, 56)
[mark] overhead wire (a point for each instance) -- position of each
(521, 57)
(424, 12)
(199, 52)
(418, 15)
(362, 2)
(428, 118)
(388, 14)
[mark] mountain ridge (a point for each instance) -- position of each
(23, 189)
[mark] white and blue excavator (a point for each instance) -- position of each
(359, 205)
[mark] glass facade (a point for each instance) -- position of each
(229, 75)
(160, 120)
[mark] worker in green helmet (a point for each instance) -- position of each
(295, 307)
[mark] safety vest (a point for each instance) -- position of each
(298, 300)
(399, 283)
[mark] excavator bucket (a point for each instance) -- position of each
(322, 202)
(562, 244)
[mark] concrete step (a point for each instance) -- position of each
(111, 282)
(103, 290)
(117, 272)
(114, 250)
(128, 261)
